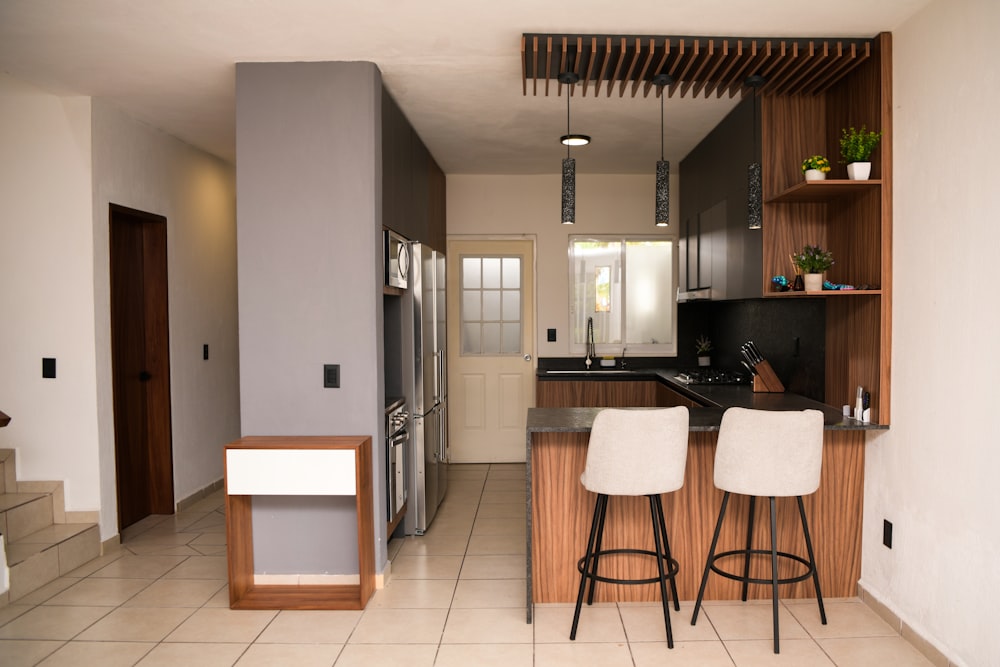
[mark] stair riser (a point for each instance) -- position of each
(28, 518)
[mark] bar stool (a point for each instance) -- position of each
(767, 454)
(640, 452)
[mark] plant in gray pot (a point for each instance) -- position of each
(813, 262)
(856, 148)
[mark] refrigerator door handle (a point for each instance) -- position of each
(439, 376)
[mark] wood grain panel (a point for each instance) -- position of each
(562, 511)
(854, 222)
(595, 393)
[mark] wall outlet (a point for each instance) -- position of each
(331, 376)
(887, 533)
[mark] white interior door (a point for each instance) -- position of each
(491, 306)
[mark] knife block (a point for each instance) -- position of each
(766, 380)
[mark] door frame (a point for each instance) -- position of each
(156, 486)
(454, 345)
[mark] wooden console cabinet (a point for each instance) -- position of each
(297, 466)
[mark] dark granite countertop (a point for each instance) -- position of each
(715, 398)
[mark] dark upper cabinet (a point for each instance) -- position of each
(413, 185)
(717, 249)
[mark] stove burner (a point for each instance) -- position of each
(712, 376)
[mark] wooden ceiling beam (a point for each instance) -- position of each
(722, 57)
(645, 66)
(732, 62)
(696, 75)
(698, 65)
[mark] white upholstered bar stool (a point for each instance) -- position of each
(768, 454)
(639, 452)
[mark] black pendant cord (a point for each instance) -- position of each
(567, 118)
(661, 123)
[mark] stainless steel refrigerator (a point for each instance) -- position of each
(430, 379)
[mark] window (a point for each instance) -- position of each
(627, 286)
(491, 305)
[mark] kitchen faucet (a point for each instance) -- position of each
(591, 351)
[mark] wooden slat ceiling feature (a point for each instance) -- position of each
(699, 65)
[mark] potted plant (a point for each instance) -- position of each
(815, 168)
(813, 262)
(703, 346)
(856, 148)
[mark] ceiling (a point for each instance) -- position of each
(454, 66)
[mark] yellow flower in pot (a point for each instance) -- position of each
(815, 168)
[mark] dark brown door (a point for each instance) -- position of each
(140, 364)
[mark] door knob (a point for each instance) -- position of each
(527, 357)
(145, 376)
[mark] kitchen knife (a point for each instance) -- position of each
(749, 367)
(755, 351)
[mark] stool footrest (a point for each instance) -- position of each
(810, 568)
(669, 571)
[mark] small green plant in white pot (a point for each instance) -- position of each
(856, 148)
(703, 347)
(813, 262)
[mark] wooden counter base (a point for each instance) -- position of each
(560, 512)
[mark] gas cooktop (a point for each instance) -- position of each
(712, 376)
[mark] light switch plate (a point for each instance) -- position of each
(331, 376)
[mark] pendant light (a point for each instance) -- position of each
(662, 166)
(568, 163)
(755, 186)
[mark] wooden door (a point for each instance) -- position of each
(140, 364)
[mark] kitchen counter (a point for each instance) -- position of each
(559, 509)
(715, 398)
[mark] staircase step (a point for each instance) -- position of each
(39, 550)
(24, 513)
(47, 554)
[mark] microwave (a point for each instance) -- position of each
(397, 259)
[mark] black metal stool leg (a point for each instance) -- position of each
(711, 555)
(746, 558)
(666, 552)
(774, 572)
(659, 549)
(812, 560)
(586, 567)
(597, 547)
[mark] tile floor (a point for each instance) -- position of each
(456, 598)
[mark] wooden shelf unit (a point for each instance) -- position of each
(853, 219)
(266, 472)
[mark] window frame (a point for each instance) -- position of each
(668, 349)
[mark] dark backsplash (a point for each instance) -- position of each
(791, 335)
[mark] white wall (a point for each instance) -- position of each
(530, 205)
(64, 160)
(934, 473)
(143, 168)
(47, 289)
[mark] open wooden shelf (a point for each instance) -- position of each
(823, 191)
(825, 293)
